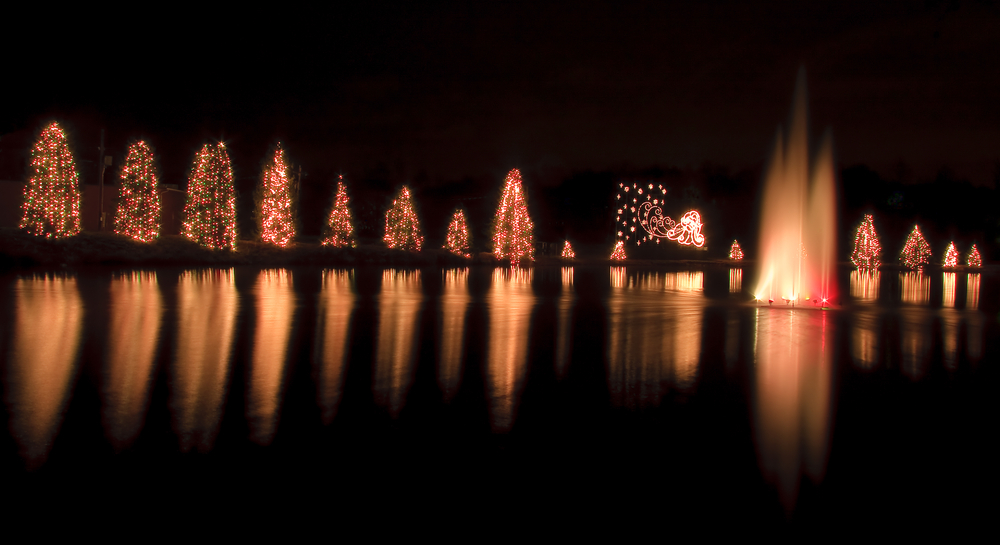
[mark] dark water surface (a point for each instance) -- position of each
(621, 398)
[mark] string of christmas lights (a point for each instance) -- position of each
(951, 255)
(568, 252)
(974, 259)
(639, 208)
(402, 229)
(52, 196)
(274, 202)
(138, 213)
(339, 226)
(512, 228)
(866, 245)
(210, 211)
(619, 252)
(457, 240)
(735, 252)
(916, 251)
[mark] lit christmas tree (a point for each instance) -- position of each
(619, 253)
(866, 246)
(951, 256)
(339, 227)
(138, 213)
(916, 251)
(210, 211)
(735, 252)
(974, 259)
(274, 202)
(52, 196)
(568, 252)
(512, 227)
(402, 229)
(457, 241)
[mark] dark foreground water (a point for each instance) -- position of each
(426, 400)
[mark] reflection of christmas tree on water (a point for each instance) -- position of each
(916, 251)
(52, 195)
(457, 241)
(274, 202)
(339, 227)
(210, 212)
(402, 230)
(512, 228)
(866, 246)
(138, 213)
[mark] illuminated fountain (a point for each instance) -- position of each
(798, 223)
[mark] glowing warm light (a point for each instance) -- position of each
(916, 251)
(972, 291)
(512, 228)
(457, 241)
(735, 252)
(735, 280)
(865, 340)
(510, 303)
(138, 213)
(210, 211)
(274, 202)
(333, 327)
(402, 229)
(619, 252)
(275, 311)
(399, 306)
(951, 256)
(864, 284)
(915, 287)
(455, 301)
(948, 288)
(866, 246)
(339, 230)
(648, 214)
(974, 259)
(52, 195)
(567, 252)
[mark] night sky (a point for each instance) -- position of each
(449, 98)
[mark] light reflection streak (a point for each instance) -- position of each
(42, 362)
(454, 304)
(136, 310)
(207, 307)
(395, 349)
(950, 321)
(949, 280)
(564, 329)
(336, 304)
(865, 340)
(972, 291)
(510, 303)
(915, 287)
(735, 280)
(732, 338)
(915, 339)
(275, 309)
(864, 284)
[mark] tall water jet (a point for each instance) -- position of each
(798, 221)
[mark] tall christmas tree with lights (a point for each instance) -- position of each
(735, 252)
(457, 241)
(210, 211)
(512, 228)
(402, 229)
(138, 213)
(974, 259)
(916, 251)
(52, 196)
(568, 252)
(339, 230)
(866, 246)
(951, 255)
(274, 213)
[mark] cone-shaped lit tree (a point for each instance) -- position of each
(210, 212)
(52, 196)
(402, 229)
(916, 251)
(735, 252)
(138, 213)
(974, 260)
(274, 202)
(619, 252)
(568, 252)
(867, 249)
(339, 231)
(512, 228)
(457, 241)
(951, 255)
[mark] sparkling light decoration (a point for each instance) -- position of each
(512, 228)
(339, 227)
(210, 211)
(866, 246)
(138, 213)
(568, 252)
(52, 195)
(457, 241)
(951, 255)
(402, 230)
(974, 259)
(916, 251)
(619, 252)
(642, 207)
(274, 202)
(735, 252)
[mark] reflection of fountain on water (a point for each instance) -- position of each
(798, 222)
(336, 303)
(454, 302)
(511, 302)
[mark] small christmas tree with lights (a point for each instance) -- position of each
(916, 251)
(619, 252)
(866, 246)
(273, 197)
(457, 241)
(210, 211)
(339, 230)
(402, 229)
(951, 255)
(52, 196)
(974, 260)
(568, 252)
(138, 213)
(735, 252)
(512, 227)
